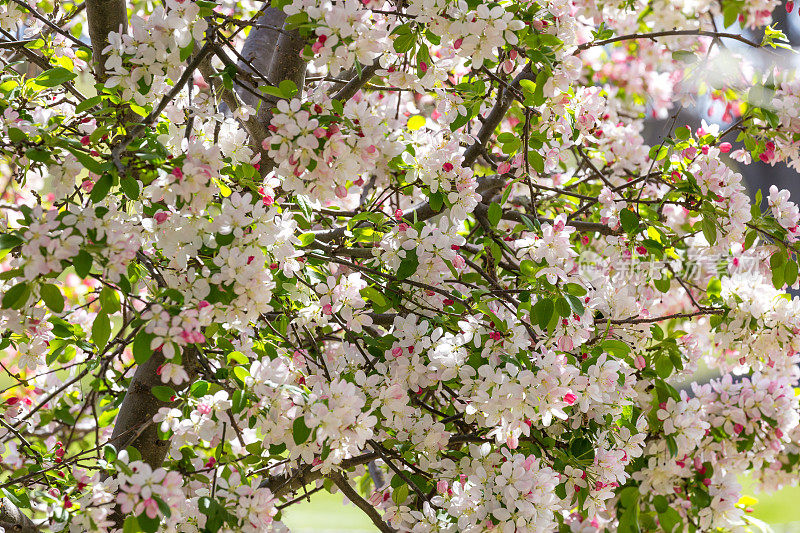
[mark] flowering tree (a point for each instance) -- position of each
(416, 252)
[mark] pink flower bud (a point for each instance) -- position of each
(639, 362)
(570, 398)
(725, 147)
(161, 217)
(738, 428)
(340, 191)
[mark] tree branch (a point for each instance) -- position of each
(670, 33)
(360, 502)
(12, 519)
(357, 82)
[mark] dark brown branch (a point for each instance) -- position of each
(360, 502)
(357, 82)
(670, 33)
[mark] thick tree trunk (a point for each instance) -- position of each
(104, 17)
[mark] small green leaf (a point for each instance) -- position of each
(163, 393)
(131, 525)
(82, 263)
(709, 230)
(54, 76)
(52, 297)
(236, 357)
(16, 296)
(629, 220)
(306, 238)
(615, 347)
(141, 347)
(663, 366)
(130, 186)
(288, 88)
(101, 188)
(109, 300)
(300, 432)
(408, 265)
(88, 103)
(495, 213)
(9, 241)
(542, 312)
(371, 293)
(199, 389)
(101, 330)
(682, 133)
(790, 273)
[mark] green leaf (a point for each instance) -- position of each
(615, 347)
(82, 263)
(563, 308)
(371, 293)
(400, 494)
(131, 525)
(542, 311)
(300, 432)
(54, 76)
(663, 366)
(669, 519)
(404, 42)
(9, 241)
(714, 288)
(305, 207)
(790, 273)
(576, 304)
(730, 14)
(629, 220)
(101, 188)
(306, 239)
(101, 330)
(538, 93)
(141, 347)
(130, 186)
(709, 230)
(52, 297)
(408, 265)
(186, 51)
(199, 389)
(682, 133)
(90, 163)
(163, 393)
(109, 300)
(495, 213)
(288, 88)
(16, 296)
(88, 103)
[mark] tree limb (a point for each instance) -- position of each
(357, 82)
(360, 502)
(13, 521)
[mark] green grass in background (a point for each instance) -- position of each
(326, 513)
(779, 507)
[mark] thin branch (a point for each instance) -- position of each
(669, 33)
(360, 502)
